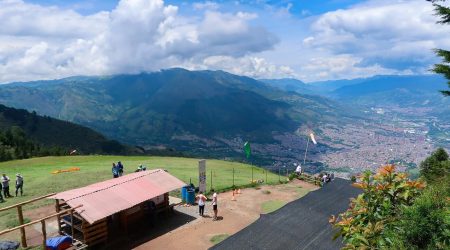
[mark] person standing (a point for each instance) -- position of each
(120, 167)
(5, 184)
(19, 184)
(201, 203)
(115, 171)
(1, 196)
(214, 204)
(298, 170)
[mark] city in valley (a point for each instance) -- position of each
(392, 136)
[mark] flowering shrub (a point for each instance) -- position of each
(384, 194)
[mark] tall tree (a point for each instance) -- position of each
(443, 68)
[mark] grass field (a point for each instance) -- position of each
(39, 181)
(216, 239)
(273, 205)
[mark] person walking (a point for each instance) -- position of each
(115, 171)
(214, 204)
(201, 203)
(5, 184)
(19, 184)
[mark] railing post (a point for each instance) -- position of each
(22, 230)
(44, 235)
(71, 223)
(58, 209)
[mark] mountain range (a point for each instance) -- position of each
(212, 113)
(191, 111)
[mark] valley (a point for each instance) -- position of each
(359, 124)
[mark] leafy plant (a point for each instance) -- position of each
(376, 209)
(425, 224)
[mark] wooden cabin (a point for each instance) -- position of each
(125, 199)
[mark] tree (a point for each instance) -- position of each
(436, 167)
(443, 68)
(372, 213)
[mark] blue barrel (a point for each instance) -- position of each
(184, 193)
(190, 197)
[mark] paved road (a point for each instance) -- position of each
(302, 224)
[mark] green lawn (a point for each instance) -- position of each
(270, 206)
(38, 179)
(216, 239)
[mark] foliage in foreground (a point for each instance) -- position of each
(366, 223)
(425, 224)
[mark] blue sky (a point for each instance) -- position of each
(304, 39)
(299, 7)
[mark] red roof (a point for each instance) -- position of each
(103, 199)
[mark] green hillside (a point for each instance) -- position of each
(46, 133)
(39, 180)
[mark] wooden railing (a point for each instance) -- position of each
(42, 221)
(20, 215)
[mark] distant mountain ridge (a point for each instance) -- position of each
(404, 91)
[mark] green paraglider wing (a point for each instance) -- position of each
(247, 149)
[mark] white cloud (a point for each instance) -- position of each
(206, 5)
(374, 37)
(378, 36)
(249, 66)
(343, 66)
(39, 42)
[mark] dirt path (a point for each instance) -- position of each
(234, 216)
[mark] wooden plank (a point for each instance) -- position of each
(86, 224)
(93, 233)
(26, 202)
(95, 227)
(97, 242)
(44, 235)
(23, 237)
(37, 221)
(97, 237)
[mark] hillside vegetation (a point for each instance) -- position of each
(24, 134)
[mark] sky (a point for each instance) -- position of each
(304, 39)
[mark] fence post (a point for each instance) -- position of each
(279, 173)
(252, 174)
(233, 177)
(211, 181)
(22, 230)
(44, 235)
(266, 176)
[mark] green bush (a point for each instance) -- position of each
(425, 224)
(292, 176)
(378, 208)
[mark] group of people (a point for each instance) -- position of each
(117, 169)
(201, 201)
(141, 168)
(327, 177)
(4, 185)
